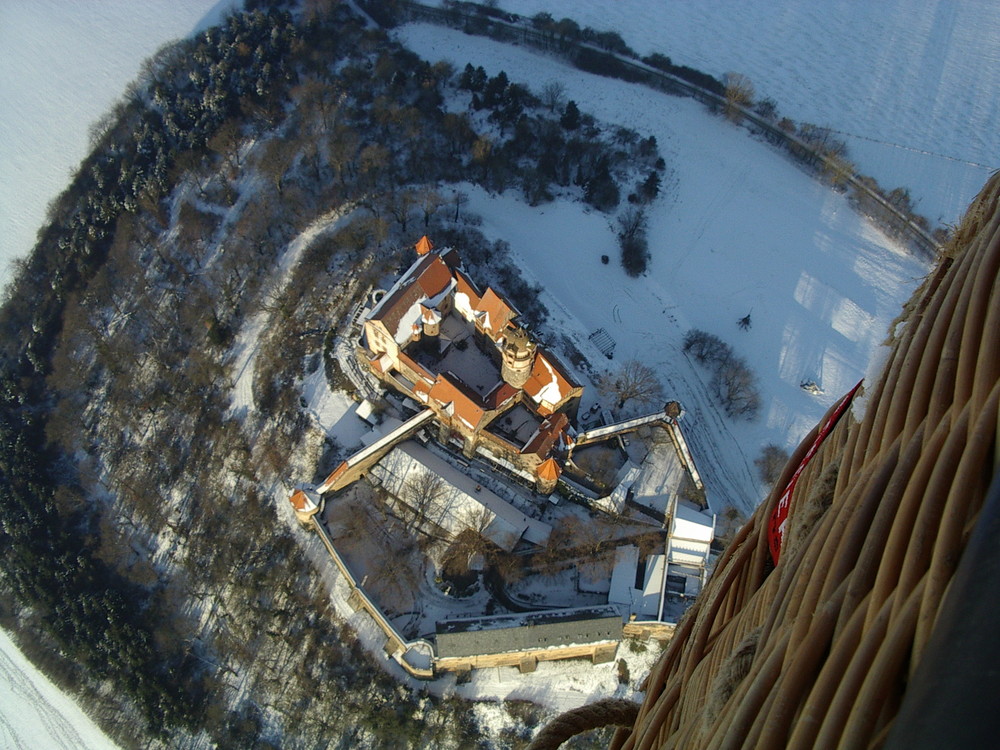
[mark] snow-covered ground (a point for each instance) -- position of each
(738, 229)
(915, 82)
(34, 713)
(62, 66)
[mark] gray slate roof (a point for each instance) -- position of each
(527, 631)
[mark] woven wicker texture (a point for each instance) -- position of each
(815, 652)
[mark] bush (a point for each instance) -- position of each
(604, 64)
(770, 463)
(635, 255)
(703, 80)
(658, 61)
(732, 379)
(623, 672)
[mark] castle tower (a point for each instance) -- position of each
(518, 355)
(547, 476)
(306, 504)
(424, 245)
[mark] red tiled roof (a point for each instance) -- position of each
(466, 404)
(541, 379)
(548, 433)
(424, 245)
(500, 395)
(499, 313)
(549, 469)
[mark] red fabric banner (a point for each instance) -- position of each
(776, 524)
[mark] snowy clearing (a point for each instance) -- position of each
(36, 713)
(740, 229)
(62, 66)
(917, 83)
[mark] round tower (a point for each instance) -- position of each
(518, 355)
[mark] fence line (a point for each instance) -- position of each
(867, 200)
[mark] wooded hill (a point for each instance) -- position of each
(142, 558)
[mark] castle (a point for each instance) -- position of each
(460, 352)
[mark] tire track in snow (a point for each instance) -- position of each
(248, 340)
(56, 730)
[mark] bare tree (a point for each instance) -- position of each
(636, 382)
(736, 386)
(424, 499)
(459, 199)
(401, 204)
(770, 462)
(632, 224)
(739, 95)
(553, 95)
(395, 573)
(430, 201)
(226, 142)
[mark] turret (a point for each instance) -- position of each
(518, 355)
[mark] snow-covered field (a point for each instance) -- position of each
(34, 713)
(915, 82)
(738, 229)
(62, 66)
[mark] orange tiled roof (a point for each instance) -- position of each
(424, 245)
(301, 502)
(435, 277)
(498, 312)
(334, 475)
(464, 285)
(421, 390)
(549, 469)
(542, 442)
(466, 405)
(548, 381)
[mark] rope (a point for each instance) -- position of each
(609, 712)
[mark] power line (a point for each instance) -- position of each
(911, 148)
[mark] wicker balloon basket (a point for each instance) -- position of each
(819, 612)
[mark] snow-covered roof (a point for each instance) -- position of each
(547, 384)
(527, 631)
(623, 575)
(692, 524)
(626, 477)
(644, 601)
(427, 282)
